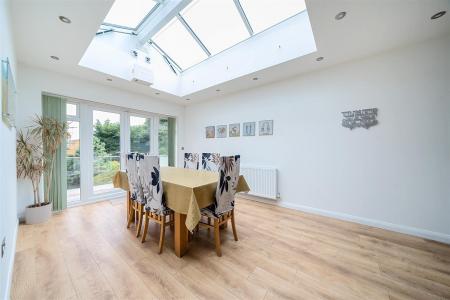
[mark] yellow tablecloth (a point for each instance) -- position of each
(186, 190)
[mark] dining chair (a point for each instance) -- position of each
(210, 161)
(191, 161)
(155, 208)
(222, 208)
(136, 200)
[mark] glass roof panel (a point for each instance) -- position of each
(129, 13)
(263, 14)
(217, 23)
(177, 42)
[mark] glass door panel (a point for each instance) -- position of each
(73, 162)
(163, 139)
(106, 147)
(140, 130)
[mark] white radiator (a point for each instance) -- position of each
(262, 181)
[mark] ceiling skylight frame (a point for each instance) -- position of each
(243, 17)
(254, 26)
(193, 34)
(157, 5)
(166, 57)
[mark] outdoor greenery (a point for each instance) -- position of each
(163, 137)
(106, 144)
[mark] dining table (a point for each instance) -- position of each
(186, 192)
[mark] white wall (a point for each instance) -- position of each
(395, 175)
(8, 204)
(33, 82)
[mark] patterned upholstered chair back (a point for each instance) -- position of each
(149, 174)
(226, 187)
(210, 161)
(191, 161)
(132, 167)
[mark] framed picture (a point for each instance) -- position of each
(266, 127)
(221, 131)
(8, 94)
(248, 129)
(235, 130)
(210, 132)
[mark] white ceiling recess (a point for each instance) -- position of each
(369, 27)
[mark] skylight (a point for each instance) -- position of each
(207, 27)
(217, 23)
(182, 48)
(129, 14)
(263, 14)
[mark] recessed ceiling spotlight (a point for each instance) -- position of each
(109, 79)
(320, 58)
(255, 78)
(64, 19)
(157, 93)
(217, 90)
(54, 57)
(340, 15)
(438, 15)
(187, 99)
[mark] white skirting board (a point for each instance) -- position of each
(422, 233)
(11, 263)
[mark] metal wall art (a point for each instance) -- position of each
(365, 118)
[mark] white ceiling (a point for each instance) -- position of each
(370, 27)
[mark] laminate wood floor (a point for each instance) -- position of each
(86, 252)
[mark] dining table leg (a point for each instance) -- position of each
(181, 234)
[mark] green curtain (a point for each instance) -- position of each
(171, 141)
(55, 107)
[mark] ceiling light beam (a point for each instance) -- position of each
(192, 33)
(244, 17)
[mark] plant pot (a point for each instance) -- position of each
(38, 214)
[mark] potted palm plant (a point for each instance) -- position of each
(36, 154)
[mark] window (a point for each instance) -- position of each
(178, 43)
(73, 153)
(72, 109)
(163, 139)
(100, 135)
(207, 27)
(107, 149)
(217, 23)
(263, 14)
(129, 13)
(140, 134)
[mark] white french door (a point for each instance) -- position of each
(101, 135)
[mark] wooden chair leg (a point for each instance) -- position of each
(233, 225)
(146, 219)
(217, 237)
(130, 215)
(161, 234)
(140, 216)
(171, 219)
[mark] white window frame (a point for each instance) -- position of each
(85, 118)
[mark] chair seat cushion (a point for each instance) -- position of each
(166, 211)
(209, 212)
